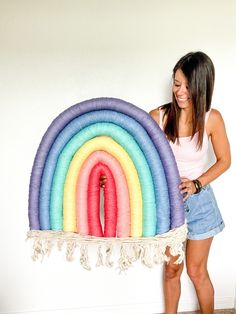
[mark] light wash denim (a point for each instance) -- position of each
(203, 215)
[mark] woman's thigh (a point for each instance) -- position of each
(197, 252)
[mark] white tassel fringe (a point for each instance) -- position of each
(149, 250)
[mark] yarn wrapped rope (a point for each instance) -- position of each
(141, 197)
(123, 205)
(147, 149)
(98, 143)
(110, 205)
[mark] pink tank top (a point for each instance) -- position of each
(190, 160)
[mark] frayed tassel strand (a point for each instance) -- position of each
(100, 257)
(84, 257)
(108, 261)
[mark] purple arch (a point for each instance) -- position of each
(155, 133)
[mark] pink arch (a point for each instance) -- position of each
(122, 193)
(110, 202)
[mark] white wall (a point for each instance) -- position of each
(57, 53)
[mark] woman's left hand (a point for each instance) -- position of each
(187, 187)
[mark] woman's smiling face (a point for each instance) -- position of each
(181, 90)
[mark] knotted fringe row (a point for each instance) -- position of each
(149, 250)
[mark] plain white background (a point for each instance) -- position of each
(56, 53)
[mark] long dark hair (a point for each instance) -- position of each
(200, 73)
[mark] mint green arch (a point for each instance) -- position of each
(123, 138)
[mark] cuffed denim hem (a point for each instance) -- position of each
(208, 234)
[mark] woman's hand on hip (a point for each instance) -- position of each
(187, 188)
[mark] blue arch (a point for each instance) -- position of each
(142, 139)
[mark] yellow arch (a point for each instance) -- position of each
(107, 144)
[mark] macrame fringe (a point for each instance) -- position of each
(149, 250)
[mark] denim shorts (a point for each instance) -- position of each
(203, 215)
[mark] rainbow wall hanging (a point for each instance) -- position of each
(142, 206)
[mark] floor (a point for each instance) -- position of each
(228, 311)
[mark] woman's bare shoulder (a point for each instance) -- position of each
(155, 114)
(215, 116)
(215, 113)
(215, 121)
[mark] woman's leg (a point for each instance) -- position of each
(197, 252)
(172, 287)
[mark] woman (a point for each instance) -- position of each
(189, 123)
